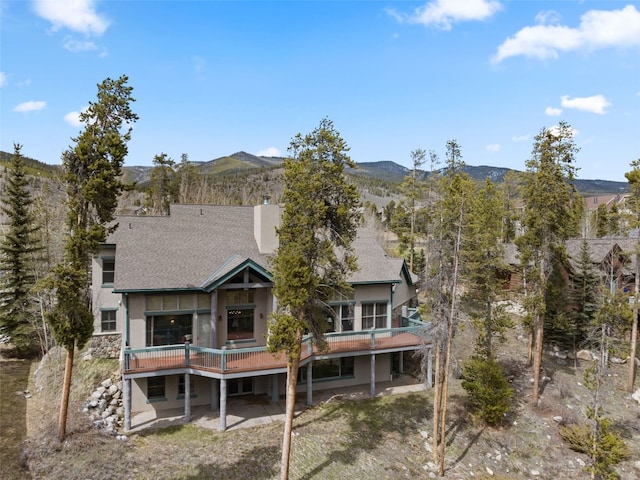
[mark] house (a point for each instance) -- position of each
(188, 297)
(611, 257)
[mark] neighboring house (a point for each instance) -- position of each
(612, 257)
(189, 296)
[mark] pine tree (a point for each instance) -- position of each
(583, 296)
(482, 259)
(319, 222)
(634, 205)
(451, 220)
(92, 174)
(20, 245)
(549, 218)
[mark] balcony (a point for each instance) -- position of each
(222, 362)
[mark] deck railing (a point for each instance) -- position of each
(226, 360)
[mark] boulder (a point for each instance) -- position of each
(584, 355)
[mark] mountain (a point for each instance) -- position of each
(387, 170)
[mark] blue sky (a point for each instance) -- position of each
(212, 78)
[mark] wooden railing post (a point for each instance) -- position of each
(373, 339)
(223, 359)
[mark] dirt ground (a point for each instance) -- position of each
(386, 437)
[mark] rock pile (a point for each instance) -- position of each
(105, 406)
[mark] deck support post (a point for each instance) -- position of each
(309, 383)
(127, 404)
(373, 375)
(401, 363)
(187, 398)
(275, 394)
(223, 404)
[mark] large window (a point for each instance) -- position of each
(374, 315)
(108, 320)
(343, 320)
(108, 270)
(240, 324)
(155, 389)
(168, 329)
(332, 368)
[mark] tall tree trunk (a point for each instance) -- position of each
(293, 363)
(66, 390)
(634, 330)
(437, 403)
(537, 358)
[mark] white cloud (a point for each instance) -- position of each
(73, 119)
(269, 152)
(444, 13)
(493, 147)
(3, 79)
(77, 15)
(521, 138)
(593, 104)
(30, 106)
(548, 17)
(598, 29)
(75, 46)
(552, 111)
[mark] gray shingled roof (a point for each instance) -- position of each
(198, 243)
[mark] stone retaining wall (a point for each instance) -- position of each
(105, 345)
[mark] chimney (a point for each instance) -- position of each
(266, 218)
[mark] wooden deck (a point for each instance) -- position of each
(247, 360)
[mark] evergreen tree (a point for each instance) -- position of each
(314, 257)
(19, 313)
(583, 297)
(482, 259)
(451, 222)
(549, 218)
(412, 191)
(633, 178)
(164, 187)
(92, 174)
(601, 220)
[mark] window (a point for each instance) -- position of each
(192, 388)
(240, 386)
(108, 270)
(332, 368)
(344, 318)
(374, 315)
(155, 389)
(168, 329)
(240, 324)
(108, 323)
(172, 303)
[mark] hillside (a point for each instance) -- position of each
(387, 172)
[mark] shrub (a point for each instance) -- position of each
(608, 450)
(488, 389)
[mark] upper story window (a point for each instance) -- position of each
(342, 320)
(240, 324)
(374, 315)
(108, 270)
(173, 303)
